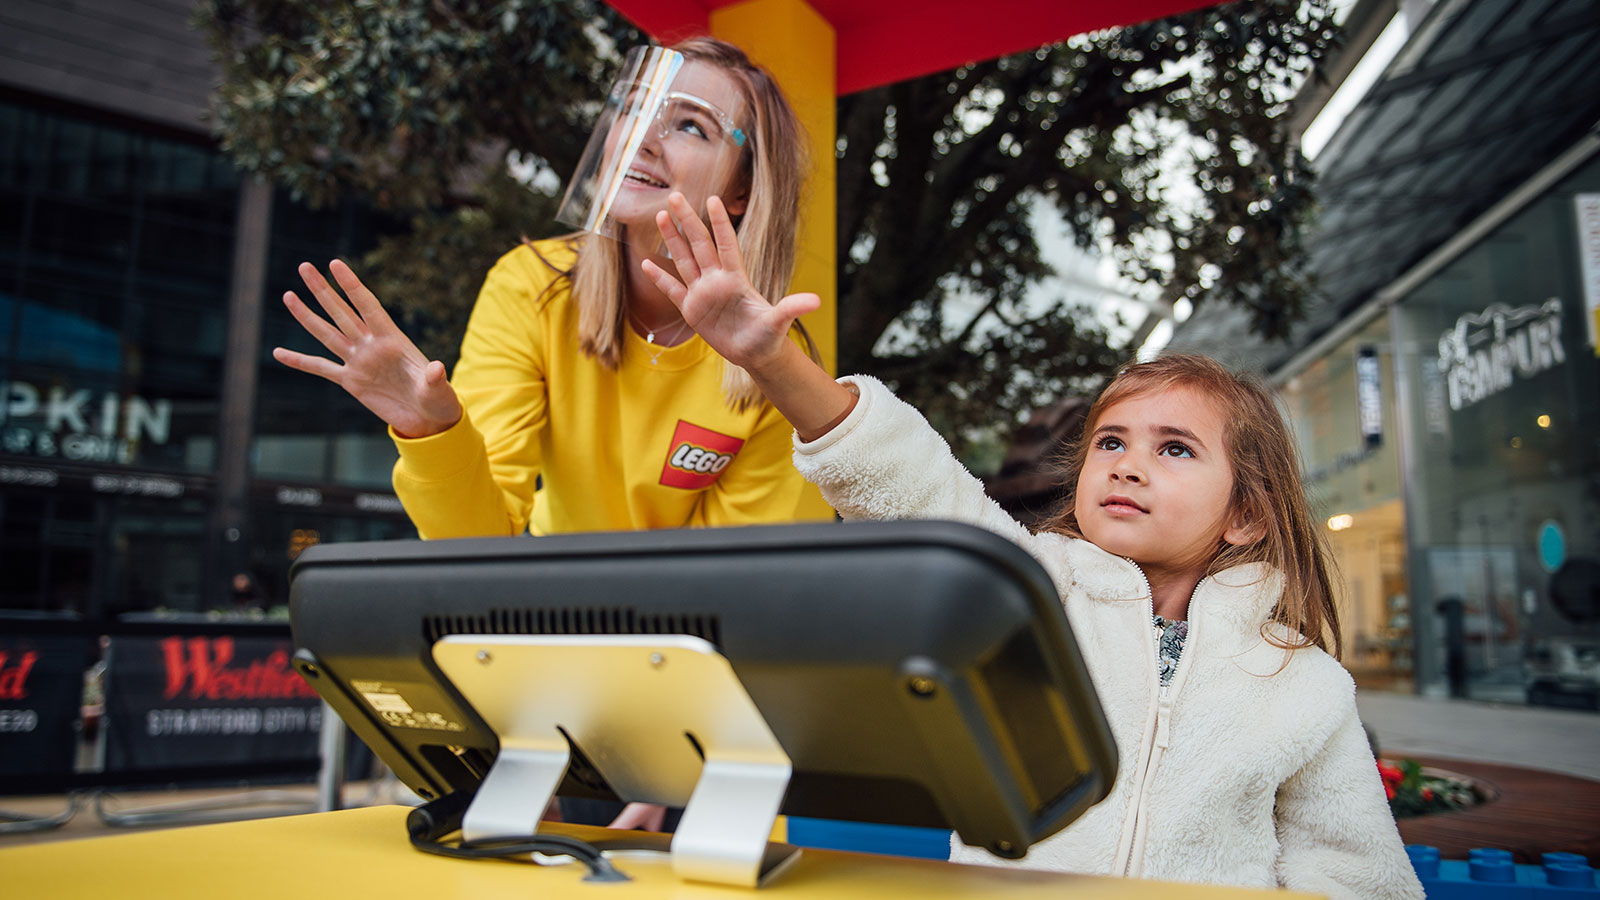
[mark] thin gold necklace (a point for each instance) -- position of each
(650, 337)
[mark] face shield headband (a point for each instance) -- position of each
(657, 133)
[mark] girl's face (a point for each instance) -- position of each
(1156, 483)
(690, 148)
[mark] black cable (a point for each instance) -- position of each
(430, 823)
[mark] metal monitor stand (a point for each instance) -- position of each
(663, 718)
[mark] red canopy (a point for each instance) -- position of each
(881, 41)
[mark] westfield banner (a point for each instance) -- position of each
(41, 688)
(206, 700)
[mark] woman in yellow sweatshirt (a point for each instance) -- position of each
(582, 401)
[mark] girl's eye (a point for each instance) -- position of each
(1107, 442)
(1177, 450)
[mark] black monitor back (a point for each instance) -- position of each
(916, 673)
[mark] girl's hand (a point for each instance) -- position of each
(647, 816)
(381, 367)
(712, 291)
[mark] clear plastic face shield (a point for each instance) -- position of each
(669, 124)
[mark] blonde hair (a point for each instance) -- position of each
(1268, 493)
(775, 163)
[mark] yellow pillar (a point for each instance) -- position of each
(795, 44)
(790, 40)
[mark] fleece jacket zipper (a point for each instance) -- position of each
(1157, 737)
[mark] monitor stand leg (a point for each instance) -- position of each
(520, 784)
(723, 835)
(661, 717)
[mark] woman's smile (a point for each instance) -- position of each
(640, 177)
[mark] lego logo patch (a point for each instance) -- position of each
(697, 456)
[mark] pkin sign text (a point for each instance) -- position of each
(74, 424)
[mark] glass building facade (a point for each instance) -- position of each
(1453, 449)
(1343, 410)
(1501, 397)
(118, 247)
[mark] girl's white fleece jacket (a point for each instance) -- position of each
(1250, 768)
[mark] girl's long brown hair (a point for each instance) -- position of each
(1267, 489)
(776, 163)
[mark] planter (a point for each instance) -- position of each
(1527, 811)
(1418, 790)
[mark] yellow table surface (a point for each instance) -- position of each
(363, 853)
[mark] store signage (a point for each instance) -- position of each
(1588, 206)
(388, 503)
(137, 485)
(1486, 352)
(1552, 545)
(1344, 461)
(298, 496)
(70, 423)
(206, 700)
(1369, 395)
(29, 476)
(41, 689)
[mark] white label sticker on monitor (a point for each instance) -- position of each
(394, 709)
(382, 697)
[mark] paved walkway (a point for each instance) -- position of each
(1553, 740)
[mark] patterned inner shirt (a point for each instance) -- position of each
(1170, 634)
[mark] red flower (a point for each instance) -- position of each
(1388, 790)
(1427, 794)
(1390, 774)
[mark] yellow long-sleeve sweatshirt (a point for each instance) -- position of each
(650, 445)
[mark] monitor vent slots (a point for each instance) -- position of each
(574, 620)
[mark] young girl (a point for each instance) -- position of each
(1190, 571)
(582, 401)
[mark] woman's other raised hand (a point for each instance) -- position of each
(379, 365)
(717, 301)
(712, 291)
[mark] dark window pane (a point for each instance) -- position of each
(22, 519)
(22, 522)
(163, 328)
(77, 331)
(13, 210)
(200, 253)
(70, 149)
(157, 556)
(81, 235)
(14, 122)
(20, 588)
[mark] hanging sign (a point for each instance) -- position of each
(1588, 207)
(1369, 395)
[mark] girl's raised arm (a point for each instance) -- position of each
(379, 365)
(715, 297)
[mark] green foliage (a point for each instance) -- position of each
(432, 273)
(1164, 144)
(408, 103)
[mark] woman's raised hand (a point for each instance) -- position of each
(712, 291)
(380, 366)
